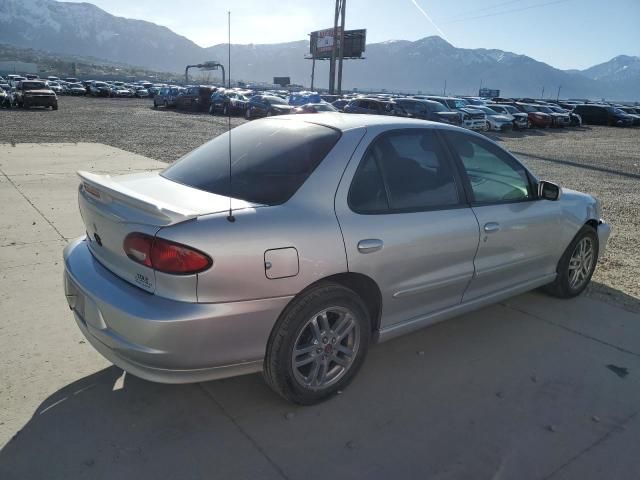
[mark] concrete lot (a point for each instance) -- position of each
(534, 388)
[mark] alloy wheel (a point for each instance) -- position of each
(581, 263)
(325, 348)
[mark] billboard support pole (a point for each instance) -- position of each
(332, 66)
(341, 54)
(313, 70)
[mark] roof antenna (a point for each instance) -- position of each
(230, 217)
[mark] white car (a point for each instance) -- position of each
(499, 122)
(55, 86)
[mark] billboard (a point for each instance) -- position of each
(282, 81)
(321, 43)
(488, 93)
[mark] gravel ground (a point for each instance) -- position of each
(128, 123)
(599, 160)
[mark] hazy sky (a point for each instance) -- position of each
(563, 33)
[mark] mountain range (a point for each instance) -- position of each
(423, 65)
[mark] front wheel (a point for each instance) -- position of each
(318, 344)
(576, 266)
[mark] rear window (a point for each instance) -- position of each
(270, 160)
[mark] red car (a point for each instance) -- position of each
(536, 119)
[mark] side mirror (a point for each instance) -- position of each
(549, 191)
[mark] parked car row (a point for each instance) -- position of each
(96, 88)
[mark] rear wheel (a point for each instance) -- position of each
(318, 344)
(577, 265)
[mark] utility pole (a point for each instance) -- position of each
(444, 92)
(341, 51)
(313, 68)
(332, 66)
(558, 97)
(542, 97)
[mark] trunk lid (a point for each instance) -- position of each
(113, 207)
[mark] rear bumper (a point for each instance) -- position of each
(164, 340)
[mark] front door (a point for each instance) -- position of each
(406, 224)
(517, 242)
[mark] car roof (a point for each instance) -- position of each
(350, 121)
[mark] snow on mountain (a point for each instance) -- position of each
(422, 65)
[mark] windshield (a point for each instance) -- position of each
(542, 108)
(270, 160)
(275, 101)
(460, 103)
(528, 108)
(437, 107)
(485, 109)
(33, 85)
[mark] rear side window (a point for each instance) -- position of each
(270, 160)
(404, 171)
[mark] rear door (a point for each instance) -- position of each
(406, 223)
(517, 241)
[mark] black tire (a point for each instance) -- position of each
(54, 107)
(561, 287)
(278, 365)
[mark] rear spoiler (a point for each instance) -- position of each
(105, 189)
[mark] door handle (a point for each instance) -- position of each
(370, 245)
(491, 227)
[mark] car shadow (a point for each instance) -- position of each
(473, 392)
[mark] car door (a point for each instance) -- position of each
(517, 241)
(406, 223)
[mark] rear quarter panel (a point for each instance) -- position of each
(307, 223)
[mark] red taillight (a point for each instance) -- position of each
(165, 256)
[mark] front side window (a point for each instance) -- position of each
(494, 175)
(405, 170)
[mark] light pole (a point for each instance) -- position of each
(558, 97)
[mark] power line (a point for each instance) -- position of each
(483, 9)
(506, 11)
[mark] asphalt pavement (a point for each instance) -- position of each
(532, 388)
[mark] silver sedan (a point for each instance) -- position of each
(293, 243)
